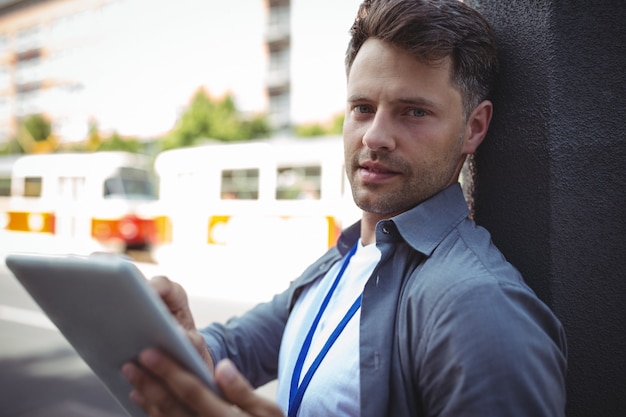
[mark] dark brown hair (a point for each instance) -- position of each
(432, 31)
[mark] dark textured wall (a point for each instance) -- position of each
(551, 183)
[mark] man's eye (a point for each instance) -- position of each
(362, 108)
(418, 112)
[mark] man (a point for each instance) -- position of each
(414, 312)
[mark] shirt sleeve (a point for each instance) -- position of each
(491, 349)
(251, 341)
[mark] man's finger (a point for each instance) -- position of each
(187, 388)
(151, 395)
(175, 298)
(237, 390)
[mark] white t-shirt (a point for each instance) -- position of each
(334, 388)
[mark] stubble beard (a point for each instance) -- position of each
(379, 198)
(420, 183)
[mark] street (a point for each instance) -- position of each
(41, 375)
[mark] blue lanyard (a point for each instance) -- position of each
(296, 391)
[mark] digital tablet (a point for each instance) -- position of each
(108, 312)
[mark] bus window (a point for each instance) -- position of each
(32, 187)
(299, 183)
(5, 187)
(240, 184)
(131, 183)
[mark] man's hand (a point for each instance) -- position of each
(163, 388)
(175, 298)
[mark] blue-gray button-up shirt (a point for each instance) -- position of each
(448, 327)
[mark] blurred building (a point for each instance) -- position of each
(42, 65)
(278, 38)
(306, 44)
(131, 66)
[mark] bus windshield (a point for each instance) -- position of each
(130, 183)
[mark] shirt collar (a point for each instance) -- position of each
(422, 227)
(426, 225)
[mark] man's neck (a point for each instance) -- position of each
(368, 226)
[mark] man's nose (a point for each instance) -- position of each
(379, 134)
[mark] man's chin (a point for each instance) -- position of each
(378, 206)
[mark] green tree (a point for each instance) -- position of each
(310, 130)
(94, 138)
(11, 147)
(35, 134)
(206, 118)
(256, 127)
(116, 143)
(334, 127)
(37, 126)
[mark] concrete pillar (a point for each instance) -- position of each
(550, 178)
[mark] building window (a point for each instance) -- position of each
(28, 71)
(5, 114)
(280, 110)
(4, 44)
(5, 78)
(28, 102)
(28, 38)
(279, 15)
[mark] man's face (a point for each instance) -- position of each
(404, 130)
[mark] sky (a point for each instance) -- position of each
(151, 66)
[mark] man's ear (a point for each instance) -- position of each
(476, 126)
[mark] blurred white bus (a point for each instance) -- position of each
(282, 201)
(78, 202)
(6, 167)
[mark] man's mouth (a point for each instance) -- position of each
(375, 172)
